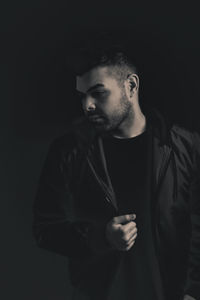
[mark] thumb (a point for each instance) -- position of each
(124, 219)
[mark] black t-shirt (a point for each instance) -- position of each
(138, 277)
(126, 162)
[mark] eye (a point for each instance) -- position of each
(98, 94)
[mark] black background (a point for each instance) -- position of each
(37, 98)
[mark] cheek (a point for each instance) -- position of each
(108, 109)
(111, 104)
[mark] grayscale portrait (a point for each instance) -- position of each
(100, 150)
(119, 191)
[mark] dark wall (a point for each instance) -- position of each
(38, 104)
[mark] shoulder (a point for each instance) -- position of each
(181, 134)
(186, 143)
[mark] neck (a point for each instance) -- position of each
(132, 126)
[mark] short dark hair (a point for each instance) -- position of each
(103, 51)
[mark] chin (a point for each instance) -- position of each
(102, 127)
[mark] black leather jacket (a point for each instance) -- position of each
(75, 200)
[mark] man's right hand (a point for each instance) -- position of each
(121, 232)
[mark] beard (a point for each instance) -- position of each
(110, 123)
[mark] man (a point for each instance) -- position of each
(119, 193)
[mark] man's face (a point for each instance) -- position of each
(104, 101)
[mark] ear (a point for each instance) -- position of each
(132, 84)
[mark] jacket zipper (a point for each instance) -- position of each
(107, 196)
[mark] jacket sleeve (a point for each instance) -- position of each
(53, 225)
(192, 286)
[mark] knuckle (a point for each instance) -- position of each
(125, 237)
(127, 217)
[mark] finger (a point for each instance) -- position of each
(129, 241)
(131, 234)
(125, 230)
(128, 247)
(132, 238)
(125, 237)
(128, 227)
(124, 219)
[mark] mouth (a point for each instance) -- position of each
(95, 118)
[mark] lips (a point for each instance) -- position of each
(95, 118)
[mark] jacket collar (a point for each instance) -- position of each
(161, 126)
(85, 132)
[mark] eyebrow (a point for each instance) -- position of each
(92, 88)
(95, 86)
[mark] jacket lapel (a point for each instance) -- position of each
(161, 156)
(97, 162)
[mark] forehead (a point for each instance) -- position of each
(98, 75)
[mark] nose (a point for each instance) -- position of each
(88, 104)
